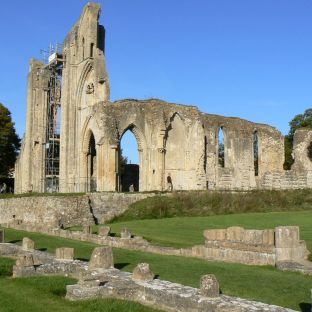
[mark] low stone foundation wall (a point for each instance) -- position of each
(277, 247)
(112, 283)
(52, 211)
(98, 279)
(259, 247)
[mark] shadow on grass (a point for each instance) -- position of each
(121, 265)
(305, 307)
(14, 241)
(42, 249)
(82, 259)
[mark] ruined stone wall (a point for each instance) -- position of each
(85, 82)
(173, 140)
(50, 211)
(29, 168)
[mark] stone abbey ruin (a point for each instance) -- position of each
(72, 144)
(73, 133)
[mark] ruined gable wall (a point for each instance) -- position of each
(151, 122)
(238, 171)
(85, 82)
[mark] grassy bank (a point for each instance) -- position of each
(264, 284)
(207, 203)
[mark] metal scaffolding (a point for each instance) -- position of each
(52, 143)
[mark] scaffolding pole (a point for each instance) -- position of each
(52, 145)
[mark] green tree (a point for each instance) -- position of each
(9, 142)
(299, 121)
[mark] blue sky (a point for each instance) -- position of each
(245, 58)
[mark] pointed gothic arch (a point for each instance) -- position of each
(138, 175)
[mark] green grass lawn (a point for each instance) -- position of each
(188, 231)
(264, 284)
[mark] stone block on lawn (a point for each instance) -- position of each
(209, 286)
(125, 233)
(142, 272)
(104, 231)
(101, 258)
(64, 253)
(28, 244)
(25, 261)
(87, 229)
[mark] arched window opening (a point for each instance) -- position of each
(205, 154)
(91, 49)
(129, 168)
(221, 161)
(176, 155)
(309, 151)
(256, 152)
(83, 48)
(91, 155)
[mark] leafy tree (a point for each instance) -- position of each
(299, 121)
(9, 142)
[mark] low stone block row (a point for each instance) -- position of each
(103, 281)
(235, 244)
(99, 279)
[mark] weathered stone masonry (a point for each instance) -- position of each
(175, 140)
(98, 279)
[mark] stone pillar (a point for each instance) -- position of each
(125, 233)
(64, 253)
(288, 246)
(161, 168)
(104, 231)
(87, 229)
(112, 178)
(142, 272)
(101, 258)
(209, 286)
(28, 244)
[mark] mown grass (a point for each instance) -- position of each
(47, 293)
(207, 203)
(264, 284)
(188, 231)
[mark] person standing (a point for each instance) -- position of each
(169, 183)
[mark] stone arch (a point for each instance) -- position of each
(89, 160)
(175, 151)
(87, 69)
(89, 177)
(142, 150)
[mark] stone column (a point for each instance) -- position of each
(161, 168)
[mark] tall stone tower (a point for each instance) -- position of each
(60, 91)
(85, 82)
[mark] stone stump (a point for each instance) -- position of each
(28, 244)
(104, 231)
(125, 233)
(142, 272)
(25, 261)
(24, 266)
(209, 286)
(87, 229)
(64, 253)
(101, 258)
(2, 236)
